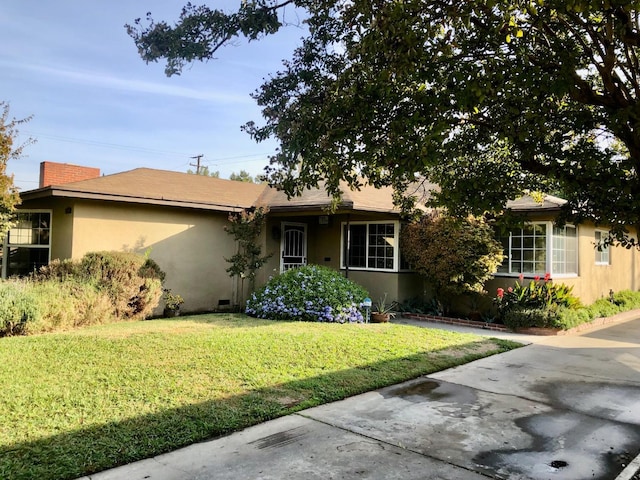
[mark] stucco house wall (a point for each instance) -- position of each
(595, 280)
(189, 245)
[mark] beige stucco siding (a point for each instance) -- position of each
(189, 245)
(595, 281)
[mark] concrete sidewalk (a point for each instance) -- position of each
(562, 408)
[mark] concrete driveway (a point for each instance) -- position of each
(561, 408)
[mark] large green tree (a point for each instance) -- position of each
(487, 98)
(9, 196)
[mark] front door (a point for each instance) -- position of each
(293, 246)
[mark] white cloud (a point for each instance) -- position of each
(105, 80)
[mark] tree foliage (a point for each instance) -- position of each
(486, 98)
(204, 171)
(9, 196)
(242, 176)
(455, 255)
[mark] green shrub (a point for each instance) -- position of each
(572, 317)
(565, 317)
(517, 318)
(29, 307)
(603, 308)
(455, 255)
(310, 293)
(57, 270)
(101, 287)
(627, 299)
(540, 303)
(133, 282)
(423, 306)
(19, 308)
(70, 304)
(538, 294)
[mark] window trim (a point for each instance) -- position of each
(607, 249)
(6, 246)
(549, 254)
(396, 246)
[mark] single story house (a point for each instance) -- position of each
(179, 219)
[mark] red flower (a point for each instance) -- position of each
(521, 277)
(510, 289)
(500, 292)
(536, 278)
(547, 277)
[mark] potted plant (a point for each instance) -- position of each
(383, 311)
(172, 302)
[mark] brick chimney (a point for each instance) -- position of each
(52, 173)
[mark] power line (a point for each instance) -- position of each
(106, 144)
(218, 160)
(139, 149)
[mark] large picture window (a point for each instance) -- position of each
(540, 248)
(370, 245)
(28, 243)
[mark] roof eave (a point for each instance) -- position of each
(66, 193)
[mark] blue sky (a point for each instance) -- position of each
(71, 64)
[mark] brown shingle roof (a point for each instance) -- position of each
(368, 198)
(161, 187)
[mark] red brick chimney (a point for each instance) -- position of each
(52, 173)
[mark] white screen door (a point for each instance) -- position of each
(293, 246)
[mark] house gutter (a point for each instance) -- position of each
(60, 193)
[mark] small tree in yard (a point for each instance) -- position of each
(9, 196)
(246, 228)
(456, 256)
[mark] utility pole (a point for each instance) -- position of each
(197, 165)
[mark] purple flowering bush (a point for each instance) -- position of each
(311, 293)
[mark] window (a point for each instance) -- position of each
(565, 250)
(540, 248)
(28, 243)
(370, 245)
(602, 252)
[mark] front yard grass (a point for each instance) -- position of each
(83, 401)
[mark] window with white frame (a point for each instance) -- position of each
(565, 250)
(539, 248)
(602, 251)
(370, 245)
(28, 243)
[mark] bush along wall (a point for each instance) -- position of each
(102, 287)
(310, 293)
(544, 304)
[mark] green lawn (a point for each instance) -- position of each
(79, 402)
